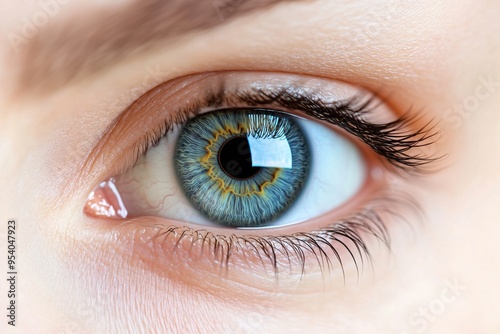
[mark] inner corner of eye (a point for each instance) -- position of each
(106, 201)
(239, 168)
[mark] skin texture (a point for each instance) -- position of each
(79, 275)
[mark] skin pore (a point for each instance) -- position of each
(79, 274)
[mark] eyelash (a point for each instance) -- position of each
(392, 141)
(348, 233)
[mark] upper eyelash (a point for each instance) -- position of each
(393, 140)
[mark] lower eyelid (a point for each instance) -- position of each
(198, 257)
(170, 249)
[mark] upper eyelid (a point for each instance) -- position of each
(119, 130)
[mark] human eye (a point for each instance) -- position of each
(292, 170)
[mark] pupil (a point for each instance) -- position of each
(235, 159)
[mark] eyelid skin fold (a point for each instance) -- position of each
(155, 113)
(330, 240)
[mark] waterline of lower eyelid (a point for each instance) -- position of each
(255, 260)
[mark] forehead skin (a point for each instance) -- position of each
(439, 56)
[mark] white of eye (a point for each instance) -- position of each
(337, 173)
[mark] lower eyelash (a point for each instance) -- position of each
(330, 247)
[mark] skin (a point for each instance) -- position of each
(441, 276)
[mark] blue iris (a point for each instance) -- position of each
(242, 167)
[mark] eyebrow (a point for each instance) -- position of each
(87, 42)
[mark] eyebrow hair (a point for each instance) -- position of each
(66, 50)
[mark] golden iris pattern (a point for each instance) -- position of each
(213, 161)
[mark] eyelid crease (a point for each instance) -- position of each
(394, 140)
(119, 129)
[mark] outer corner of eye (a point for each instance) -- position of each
(238, 167)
